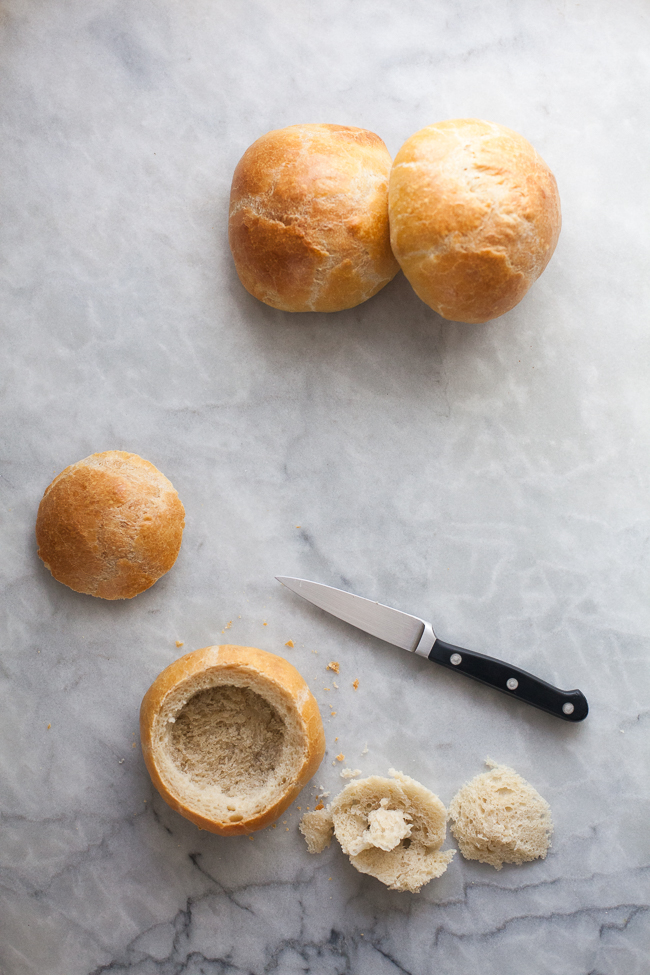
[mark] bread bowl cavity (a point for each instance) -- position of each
(230, 735)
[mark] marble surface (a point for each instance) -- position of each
(494, 479)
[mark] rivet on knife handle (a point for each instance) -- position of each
(569, 705)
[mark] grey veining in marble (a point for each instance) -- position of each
(494, 479)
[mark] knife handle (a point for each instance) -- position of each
(568, 705)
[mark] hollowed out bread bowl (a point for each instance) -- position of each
(110, 525)
(474, 217)
(308, 223)
(230, 735)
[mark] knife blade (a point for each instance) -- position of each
(416, 635)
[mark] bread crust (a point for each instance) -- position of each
(474, 217)
(257, 664)
(308, 222)
(110, 525)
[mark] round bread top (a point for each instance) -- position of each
(110, 525)
(474, 217)
(230, 735)
(308, 224)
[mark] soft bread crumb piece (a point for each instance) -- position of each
(334, 665)
(355, 684)
(179, 643)
(500, 818)
(391, 829)
(340, 757)
(348, 773)
(317, 827)
(289, 643)
(386, 827)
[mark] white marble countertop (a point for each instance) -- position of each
(494, 479)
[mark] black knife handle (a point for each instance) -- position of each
(568, 705)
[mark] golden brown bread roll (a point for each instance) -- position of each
(474, 217)
(230, 735)
(110, 525)
(308, 224)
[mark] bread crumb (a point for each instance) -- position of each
(179, 643)
(348, 773)
(265, 624)
(333, 665)
(365, 750)
(289, 643)
(251, 837)
(49, 726)
(121, 761)
(228, 625)
(335, 684)
(355, 684)
(133, 744)
(327, 688)
(319, 806)
(339, 758)
(332, 715)
(500, 818)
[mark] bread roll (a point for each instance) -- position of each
(391, 829)
(230, 735)
(474, 217)
(110, 525)
(499, 818)
(308, 223)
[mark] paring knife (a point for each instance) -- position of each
(417, 636)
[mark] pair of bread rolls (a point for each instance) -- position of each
(320, 220)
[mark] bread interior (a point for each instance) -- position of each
(228, 743)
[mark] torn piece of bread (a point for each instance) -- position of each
(499, 818)
(230, 735)
(391, 829)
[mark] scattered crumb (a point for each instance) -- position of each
(49, 726)
(179, 643)
(327, 688)
(287, 830)
(333, 665)
(265, 624)
(275, 825)
(297, 526)
(228, 625)
(332, 715)
(340, 757)
(289, 643)
(299, 808)
(325, 795)
(355, 684)
(314, 652)
(251, 837)
(365, 750)
(132, 744)
(348, 773)
(120, 761)
(319, 806)
(335, 684)
(284, 822)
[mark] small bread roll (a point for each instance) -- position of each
(474, 217)
(230, 735)
(499, 818)
(391, 829)
(308, 225)
(110, 525)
